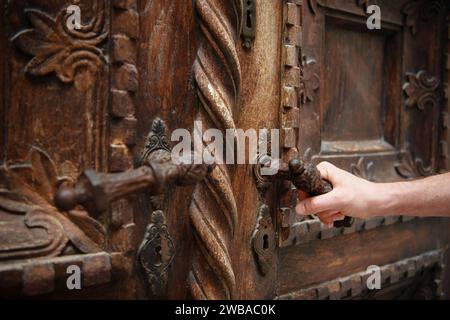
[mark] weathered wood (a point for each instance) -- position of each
(374, 103)
(319, 261)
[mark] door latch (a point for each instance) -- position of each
(95, 190)
(306, 177)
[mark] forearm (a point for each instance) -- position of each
(424, 197)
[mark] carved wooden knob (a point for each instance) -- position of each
(65, 198)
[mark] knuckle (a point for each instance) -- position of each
(325, 165)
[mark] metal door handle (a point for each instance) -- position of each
(95, 191)
(306, 177)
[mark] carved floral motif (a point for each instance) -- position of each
(310, 80)
(410, 167)
(31, 225)
(62, 50)
(362, 169)
(421, 89)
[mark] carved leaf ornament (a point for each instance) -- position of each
(62, 50)
(30, 225)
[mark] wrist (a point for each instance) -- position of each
(385, 198)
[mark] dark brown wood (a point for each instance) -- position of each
(373, 102)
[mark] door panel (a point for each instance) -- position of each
(370, 101)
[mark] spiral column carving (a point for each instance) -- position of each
(213, 210)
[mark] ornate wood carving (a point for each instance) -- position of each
(422, 10)
(59, 49)
(213, 210)
(310, 80)
(303, 231)
(32, 277)
(291, 79)
(410, 167)
(421, 89)
(362, 169)
(263, 240)
(33, 227)
(354, 286)
(124, 83)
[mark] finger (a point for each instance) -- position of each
(338, 217)
(327, 214)
(316, 204)
(326, 170)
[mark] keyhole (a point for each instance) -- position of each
(158, 256)
(249, 15)
(265, 242)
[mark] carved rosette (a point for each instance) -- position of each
(62, 50)
(421, 89)
(213, 210)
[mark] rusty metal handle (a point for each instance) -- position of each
(306, 177)
(95, 190)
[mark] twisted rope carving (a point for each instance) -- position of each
(213, 211)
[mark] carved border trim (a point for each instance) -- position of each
(310, 230)
(291, 77)
(355, 284)
(123, 124)
(20, 278)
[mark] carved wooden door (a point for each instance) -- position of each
(86, 97)
(372, 102)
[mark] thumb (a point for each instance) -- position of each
(315, 204)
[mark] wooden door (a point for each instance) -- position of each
(373, 102)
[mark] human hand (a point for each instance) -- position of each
(351, 196)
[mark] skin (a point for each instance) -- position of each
(359, 198)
